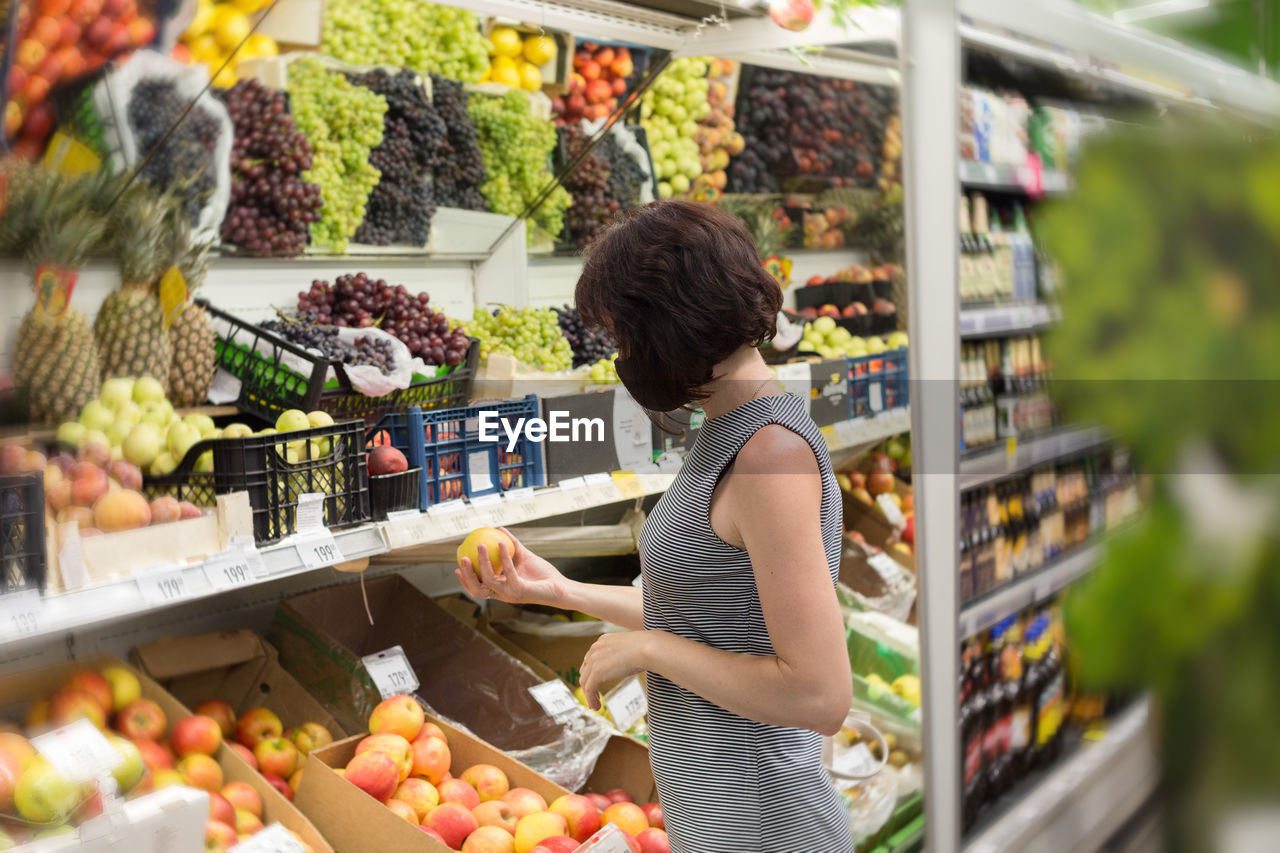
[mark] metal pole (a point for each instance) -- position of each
(930, 120)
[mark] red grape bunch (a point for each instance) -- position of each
(271, 204)
(359, 301)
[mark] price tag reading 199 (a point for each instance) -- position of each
(317, 549)
(228, 570)
(20, 613)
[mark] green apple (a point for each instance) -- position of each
(213, 433)
(116, 391)
(806, 346)
(204, 464)
(43, 795)
(180, 438)
(237, 430)
(267, 431)
(71, 432)
(664, 189)
(131, 770)
(202, 423)
(896, 340)
(163, 464)
(875, 345)
(679, 184)
(94, 436)
(118, 432)
(148, 389)
(96, 415)
(142, 444)
(823, 325)
(292, 419)
(128, 412)
(154, 413)
(116, 453)
(319, 418)
(53, 832)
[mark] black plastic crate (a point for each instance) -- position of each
(328, 459)
(22, 542)
(269, 387)
(394, 492)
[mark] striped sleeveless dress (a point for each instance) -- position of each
(728, 784)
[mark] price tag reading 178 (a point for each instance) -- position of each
(391, 672)
(627, 703)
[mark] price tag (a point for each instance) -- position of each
(317, 549)
(603, 490)
(225, 387)
(229, 569)
(856, 762)
(846, 433)
(164, 587)
(274, 839)
(575, 489)
(452, 518)
(608, 840)
(521, 504)
(391, 672)
(20, 614)
(891, 511)
(78, 751)
(554, 697)
(1011, 451)
(628, 484)
(886, 567)
(627, 703)
(491, 509)
(310, 514)
(875, 396)
(407, 528)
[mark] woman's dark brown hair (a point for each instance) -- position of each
(679, 286)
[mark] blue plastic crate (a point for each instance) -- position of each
(878, 383)
(454, 463)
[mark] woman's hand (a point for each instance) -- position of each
(526, 578)
(615, 655)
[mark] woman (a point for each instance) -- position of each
(737, 623)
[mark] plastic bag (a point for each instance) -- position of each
(111, 99)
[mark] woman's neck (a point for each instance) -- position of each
(739, 379)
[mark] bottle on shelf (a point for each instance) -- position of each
(986, 277)
(972, 716)
(999, 714)
(966, 274)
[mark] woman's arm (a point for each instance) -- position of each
(773, 497)
(526, 578)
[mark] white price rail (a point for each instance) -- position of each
(453, 517)
(20, 614)
(166, 585)
(229, 570)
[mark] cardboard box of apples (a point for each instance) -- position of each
(162, 743)
(417, 783)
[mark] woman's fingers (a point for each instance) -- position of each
(508, 567)
(487, 577)
(467, 577)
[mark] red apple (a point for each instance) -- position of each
(155, 756)
(556, 844)
(374, 773)
(221, 809)
(398, 715)
(387, 460)
(453, 822)
(617, 795)
(68, 705)
(219, 837)
(653, 840)
(86, 679)
(276, 756)
(653, 813)
(196, 735)
(222, 713)
(457, 791)
(257, 724)
(599, 800)
(493, 813)
(242, 795)
(280, 784)
(580, 813)
(246, 753)
(524, 801)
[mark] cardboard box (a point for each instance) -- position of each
(874, 527)
(323, 635)
(357, 823)
(238, 667)
(24, 687)
(624, 764)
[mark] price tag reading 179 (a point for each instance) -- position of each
(391, 672)
(164, 587)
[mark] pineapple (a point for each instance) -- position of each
(54, 357)
(191, 339)
(132, 339)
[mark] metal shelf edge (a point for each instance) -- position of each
(992, 465)
(1025, 591)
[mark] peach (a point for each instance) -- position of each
(127, 475)
(496, 813)
(200, 771)
(220, 809)
(280, 784)
(457, 791)
(653, 840)
(402, 809)
(524, 802)
(141, 719)
(93, 683)
(246, 753)
(88, 484)
(626, 816)
(374, 773)
(453, 822)
(69, 704)
(257, 724)
(653, 813)
(276, 756)
(490, 782)
(430, 730)
(489, 839)
(556, 844)
(579, 813)
(431, 759)
(244, 796)
(394, 747)
(420, 794)
(220, 712)
(155, 756)
(190, 510)
(310, 736)
(219, 836)
(121, 510)
(58, 495)
(247, 823)
(165, 509)
(196, 734)
(399, 715)
(535, 827)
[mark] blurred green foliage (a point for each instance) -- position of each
(1170, 250)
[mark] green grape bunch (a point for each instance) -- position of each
(343, 123)
(531, 335)
(426, 37)
(516, 147)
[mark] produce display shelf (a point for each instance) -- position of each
(990, 321)
(1083, 799)
(1006, 178)
(860, 432)
(997, 463)
(992, 606)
